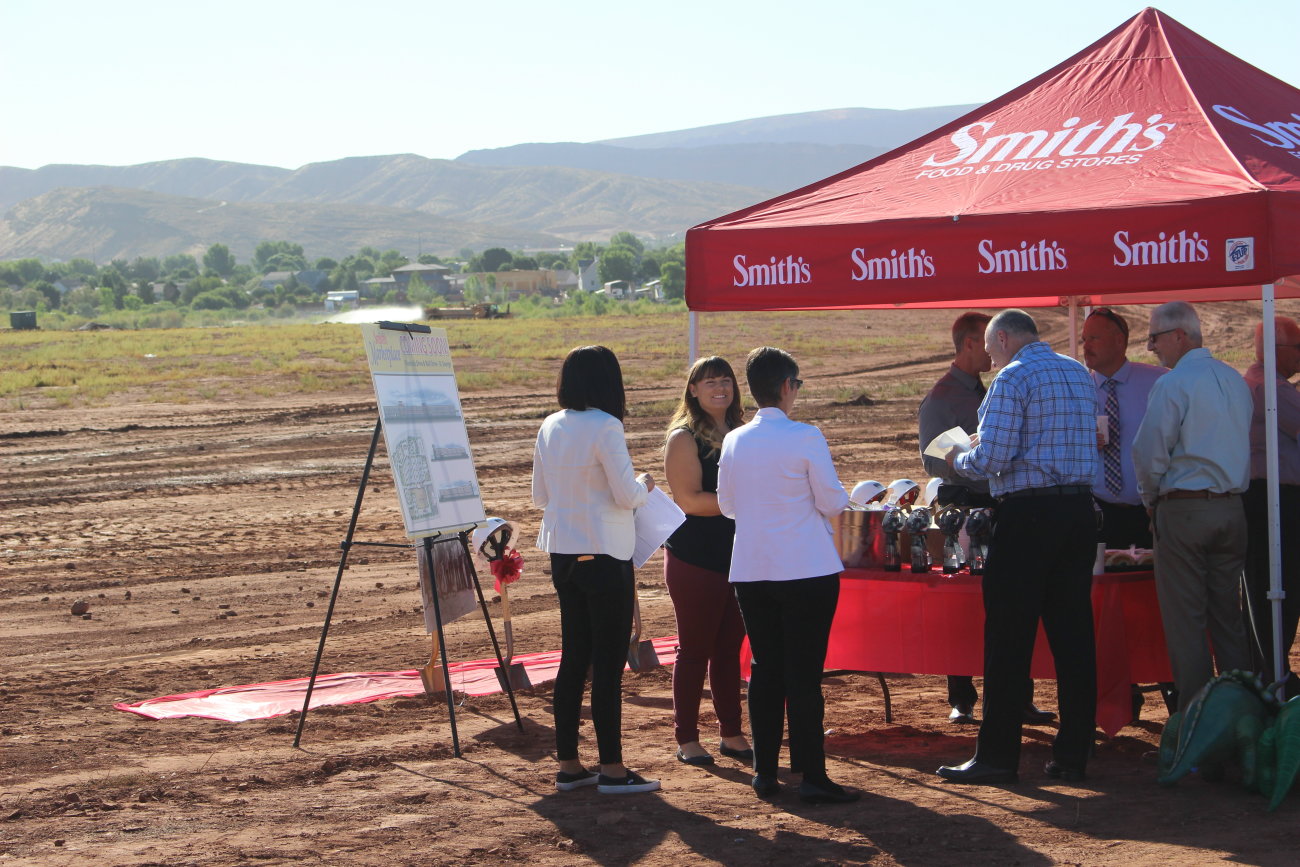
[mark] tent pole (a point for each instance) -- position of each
(694, 337)
(1275, 592)
(1074, 327)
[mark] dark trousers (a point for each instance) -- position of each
(1257, 577)
(1039, 567)
(595, 626)
(709, 633)
(962, 692)
(1124, 526)
(789, 624)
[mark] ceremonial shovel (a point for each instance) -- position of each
(641, 655)
(433, 675)
(512, 674)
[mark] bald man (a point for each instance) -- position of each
(1256, 498)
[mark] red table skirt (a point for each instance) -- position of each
(934, 624)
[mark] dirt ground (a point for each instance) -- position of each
(164, 517)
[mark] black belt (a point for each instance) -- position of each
(1053, 491)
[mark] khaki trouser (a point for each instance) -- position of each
(1200, 551)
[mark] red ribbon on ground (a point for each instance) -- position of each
(508, 569)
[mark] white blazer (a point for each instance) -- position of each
(775, 477)
(584, 482)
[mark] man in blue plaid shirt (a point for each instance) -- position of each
(1037, 446)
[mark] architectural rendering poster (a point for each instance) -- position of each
(424, 431)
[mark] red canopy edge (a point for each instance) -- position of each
(1152, 165)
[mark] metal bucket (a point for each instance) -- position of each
(860, 540)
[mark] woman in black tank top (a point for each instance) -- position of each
(696, 563)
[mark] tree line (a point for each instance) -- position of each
(220, 281)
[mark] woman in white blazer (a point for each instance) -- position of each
(584, 482)
(776, 479)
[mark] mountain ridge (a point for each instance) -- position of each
(655, 186)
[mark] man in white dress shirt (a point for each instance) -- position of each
(1192, 456)
(1122, 390)
(776, 479)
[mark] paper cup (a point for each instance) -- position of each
(1103, 428)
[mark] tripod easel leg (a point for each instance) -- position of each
(440, 646)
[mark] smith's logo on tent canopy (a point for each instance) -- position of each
(1164, 250)
(777, 272)
(1277, 133)
(1119, 136)
(896, 266)
(1040, 256)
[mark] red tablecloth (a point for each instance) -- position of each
(934, 624)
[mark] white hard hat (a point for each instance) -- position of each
(903, 492)
(867, 492)
(491, 538)
(932, 491)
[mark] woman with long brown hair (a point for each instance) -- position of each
(696, 563)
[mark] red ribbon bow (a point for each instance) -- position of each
(508, 569)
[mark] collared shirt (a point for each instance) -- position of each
(776, 479)
(1288, 428)
(1134, 381)
(1038, 425)
(954, 401)
(1196, 433)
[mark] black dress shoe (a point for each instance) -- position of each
(765, 786)
(961, 714)
(698, 761)
(977, 773)
(745, 755)
(1036, 717)
(1058, 771)
(826, 792)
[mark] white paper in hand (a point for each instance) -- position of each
(655, 522)
(952, 438)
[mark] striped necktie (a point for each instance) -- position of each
(1113, 472)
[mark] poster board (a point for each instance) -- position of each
(424, 430)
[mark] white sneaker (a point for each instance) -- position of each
(628, 785)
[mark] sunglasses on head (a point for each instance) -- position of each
(1107, 313)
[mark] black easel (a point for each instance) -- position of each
(427, 542)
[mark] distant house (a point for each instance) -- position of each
(565, 279)
(512, 284)
(589, 275)
(311, 279)
(377, 287)
(272, 279)
(432, 276)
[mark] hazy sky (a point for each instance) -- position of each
(285, 83)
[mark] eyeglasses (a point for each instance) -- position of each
(798, 383)
(1151, 338)
(1107, 313)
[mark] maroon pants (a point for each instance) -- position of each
(709, 634)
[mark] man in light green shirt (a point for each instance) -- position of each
(1192, 457)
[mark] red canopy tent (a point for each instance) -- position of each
(1152, 161)
(1152, 165)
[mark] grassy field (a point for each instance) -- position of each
(76, 368)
